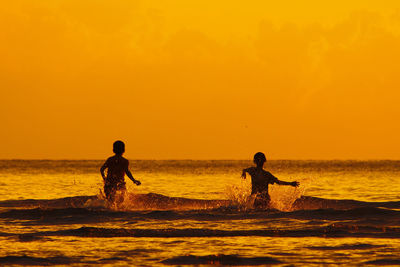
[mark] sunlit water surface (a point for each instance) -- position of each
(200, 213)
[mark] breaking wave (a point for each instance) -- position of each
(151, 201)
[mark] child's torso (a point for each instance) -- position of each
(260, 179)
(117, 166)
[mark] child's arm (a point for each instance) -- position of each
(129, 174)
(274, 180)
(294, 184)
(102, 169)
(244, 172)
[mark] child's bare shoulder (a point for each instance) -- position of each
(112, 158)
(125, 161)
(118, 160)
(109, 159)
(251, 170)
(269, 175)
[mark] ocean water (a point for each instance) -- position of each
(200, 213)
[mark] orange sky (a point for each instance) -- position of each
(203, 79)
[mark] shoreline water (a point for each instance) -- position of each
(195, 212)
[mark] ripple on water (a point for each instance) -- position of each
(384, 262)
(232, 260)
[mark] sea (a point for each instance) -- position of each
(200, 213)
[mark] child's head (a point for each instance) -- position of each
(259, 159)
(119, 147)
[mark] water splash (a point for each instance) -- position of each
(240, 195)
(99, 202)
(282, 197)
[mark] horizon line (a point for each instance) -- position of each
(188, 159)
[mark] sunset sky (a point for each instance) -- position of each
(205, 79)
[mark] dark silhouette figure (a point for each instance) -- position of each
(260, 179)
(117, 166)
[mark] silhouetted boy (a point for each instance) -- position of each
(116, 167)
(260, 179)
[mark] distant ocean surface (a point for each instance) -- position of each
(200, 213)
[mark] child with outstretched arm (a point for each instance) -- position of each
(260, 179)
(117, 166)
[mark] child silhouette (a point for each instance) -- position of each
(260, 179)
(117, 166)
